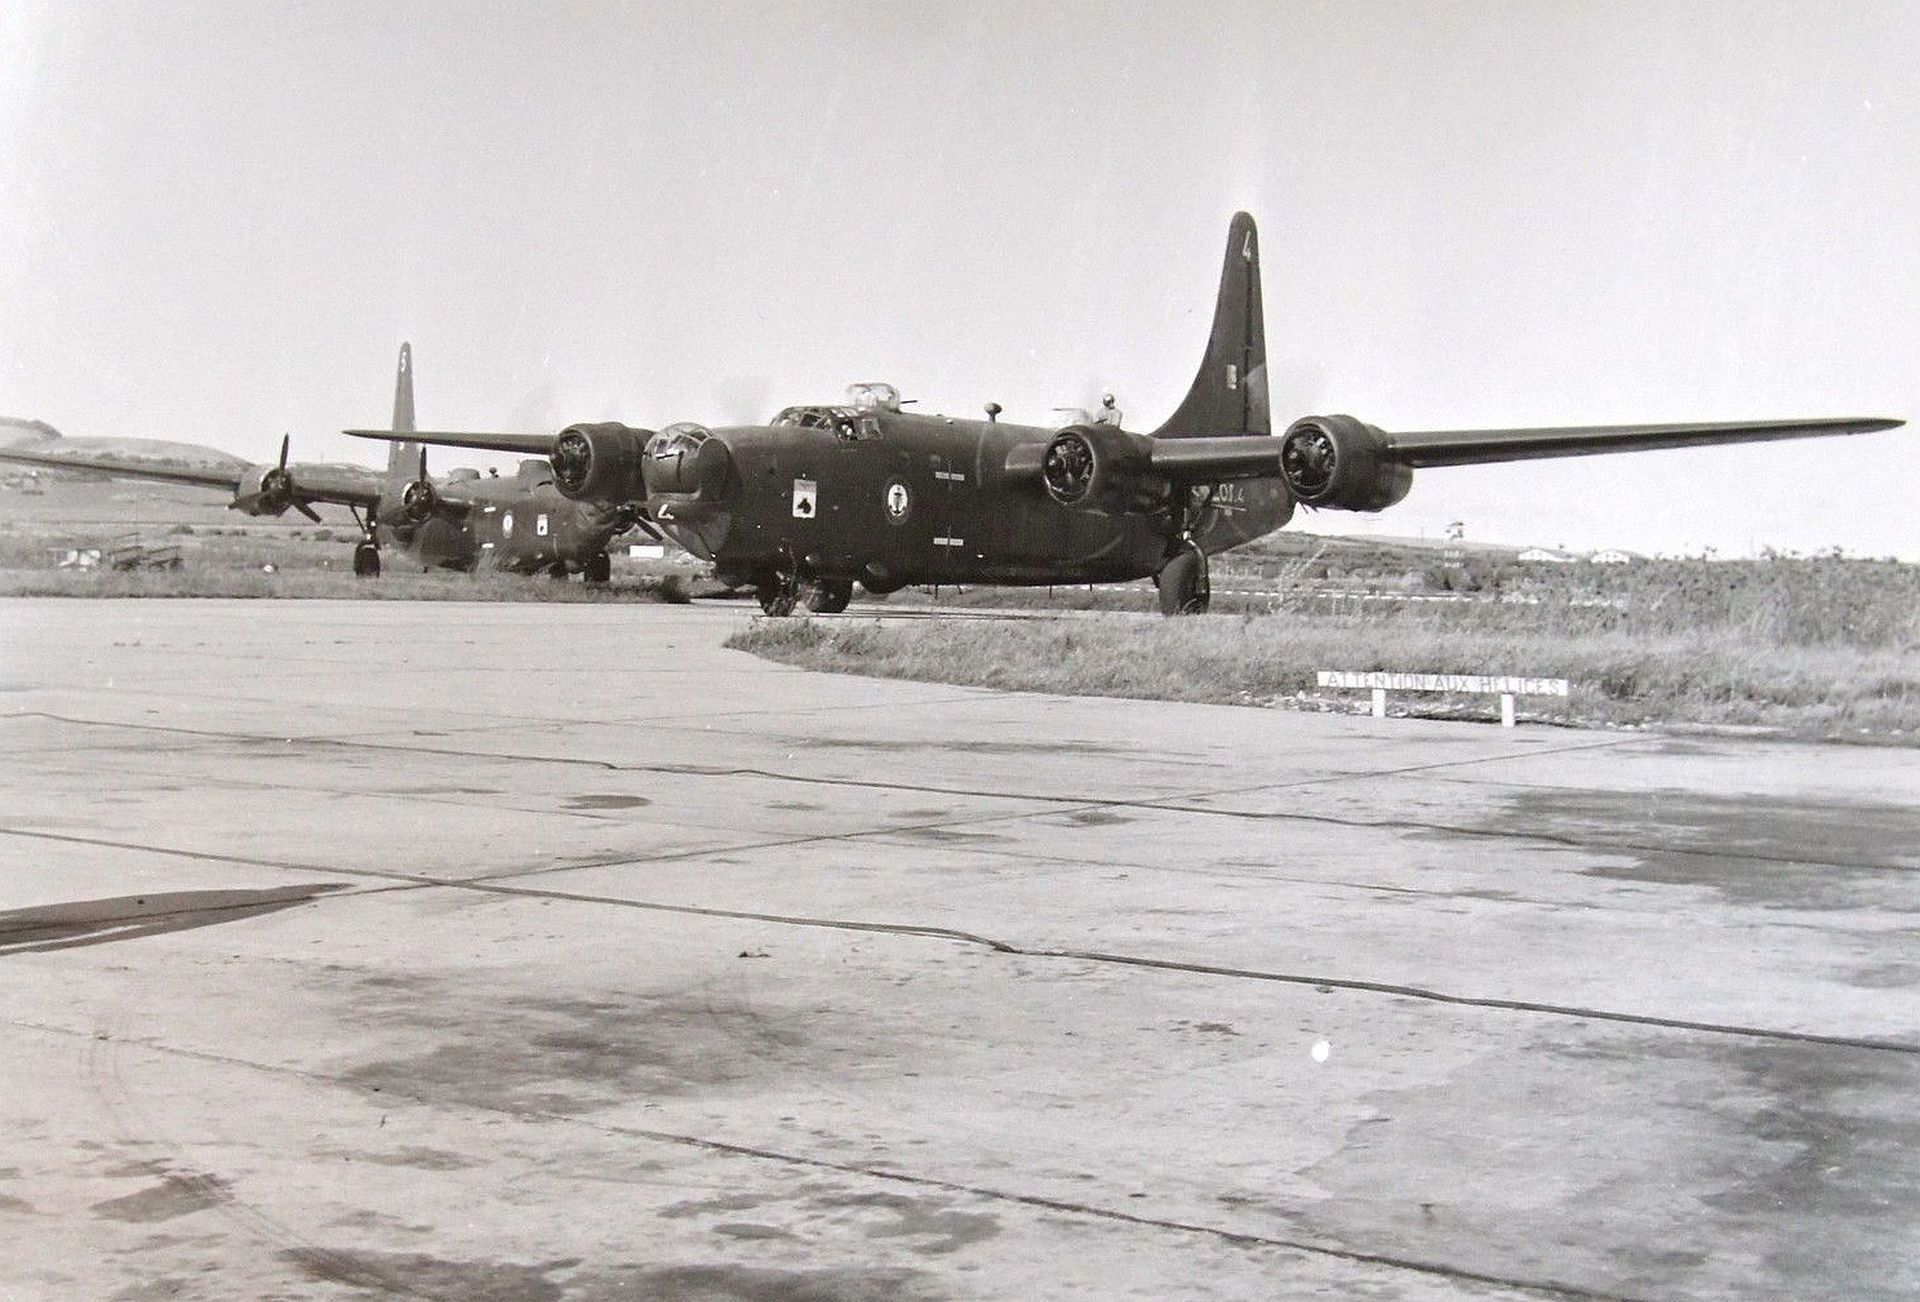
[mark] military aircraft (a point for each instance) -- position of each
(825, 496)
(461, 522)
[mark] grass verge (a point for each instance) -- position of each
(191, 581)
(1718, 677)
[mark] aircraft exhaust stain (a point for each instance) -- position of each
(129, 917)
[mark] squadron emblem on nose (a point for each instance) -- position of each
(899, 501)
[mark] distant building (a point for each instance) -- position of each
(1541, 556)
(1612, 556)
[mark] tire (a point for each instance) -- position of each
(366, 561)
(599, 568)
(776, 596)
(1184, 589)
(830, 596)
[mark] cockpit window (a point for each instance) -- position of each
(844, 423)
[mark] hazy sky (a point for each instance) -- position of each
(218, 220)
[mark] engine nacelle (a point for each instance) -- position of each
(263, 490)
(1343, 464)
(685, 459)
(418, 501)
(600, 462)
(1100, 467)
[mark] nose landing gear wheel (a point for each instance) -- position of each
(1184, 588)
(829, 596)
(366, 561)
(599, 568)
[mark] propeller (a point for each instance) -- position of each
(418, 499)
(276, 486)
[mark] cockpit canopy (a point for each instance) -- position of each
(845, 423)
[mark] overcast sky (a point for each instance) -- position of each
(218, 221)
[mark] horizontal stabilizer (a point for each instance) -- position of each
(1479, 447)
(528, 445)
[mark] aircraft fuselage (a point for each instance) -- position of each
(893, 498)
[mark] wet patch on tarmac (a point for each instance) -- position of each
(1098, 818)
(930, 1224)
(571, 1056)
(17, 1206)
(706, 1283)
(444, 791)
(419, 1275)
(413, 1156)
(946, 747)
(607, 802)
(1883, 976)
(938, 1228)
(796, 806)
(1857, 855)
(129, 917)
(921, 813)
(175, 1195)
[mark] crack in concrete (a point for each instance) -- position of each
(497, 885)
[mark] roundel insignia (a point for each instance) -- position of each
(899, 500)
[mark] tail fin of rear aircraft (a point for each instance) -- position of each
(403, 459)
(1229, 396)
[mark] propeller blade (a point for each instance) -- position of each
(423, 461)
(286, 441)
(307, 511)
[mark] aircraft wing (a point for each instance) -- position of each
(206, 478)
(526, 445)
(1240, 456)
(344, 485)
(1479, 447)
(309, 483)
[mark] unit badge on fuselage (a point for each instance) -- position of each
(804, 493)
(899, 501)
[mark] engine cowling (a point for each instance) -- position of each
(600, 462)
(1342, 464)
(685, 459)
(264, 490)
(1099, 467)
(418, 500)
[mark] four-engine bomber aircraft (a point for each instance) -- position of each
(825, 496)
(462, 522)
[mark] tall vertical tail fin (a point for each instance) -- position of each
(1229, 395)
(403, 459)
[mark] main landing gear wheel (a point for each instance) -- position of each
(1184, 589)
(829, 596)
(557, 570)
(778, 594)
(599, 568)
(366, 560)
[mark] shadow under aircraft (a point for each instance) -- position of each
(521, 524)
(823, 497)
